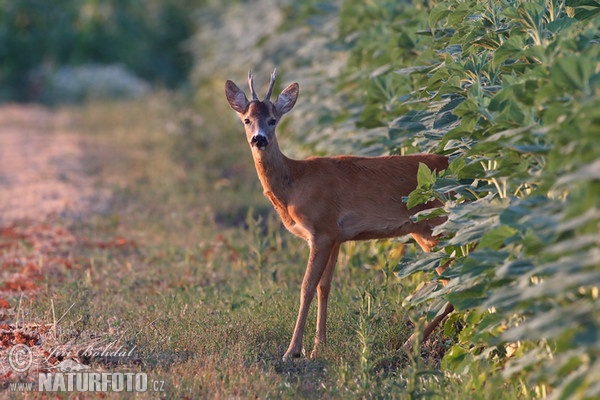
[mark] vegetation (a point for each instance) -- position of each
(39, 37)
(192, 269)
(510, 91)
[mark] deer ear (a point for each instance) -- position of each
(236, 97)
(287, 98)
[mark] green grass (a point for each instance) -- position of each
(208, 296)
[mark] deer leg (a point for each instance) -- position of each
(427, 242)
(323, 289)
(429, 327)
(320, 251)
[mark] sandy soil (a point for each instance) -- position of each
(41, 167)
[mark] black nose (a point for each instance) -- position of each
(259, 141)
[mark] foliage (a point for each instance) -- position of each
(510, 90)
(147, 37)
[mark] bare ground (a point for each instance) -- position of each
(41, 167)
(43, 180)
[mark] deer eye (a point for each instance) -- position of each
(272, 121)
(247, 121)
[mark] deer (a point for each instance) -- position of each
(331, 200)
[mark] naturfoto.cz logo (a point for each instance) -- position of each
(71, 376)
(94, 382)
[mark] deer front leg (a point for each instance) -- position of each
(323, 295)
(320, 251)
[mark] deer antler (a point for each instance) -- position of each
(251, 84)
(271, 84)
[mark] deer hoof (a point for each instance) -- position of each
(290, 355)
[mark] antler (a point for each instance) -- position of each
(251, 84)
(271, 84)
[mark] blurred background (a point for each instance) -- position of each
(71, 50)
(68, 51)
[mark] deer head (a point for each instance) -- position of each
(260, 118)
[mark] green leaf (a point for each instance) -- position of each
(440, 12)
(496, 238)
(559, 25)
(583, 14)
(514, 269)
(409, 70)
(450, 325)
(510, 49)
(552, 323)
(582, 3)
(473, 231)
(457, 16)
(419, 196)
(457, 359)
(450, 86)
(426, 262)
(425, 177)
(573, 72)
(422, 193)
(444, 120)
(422, 292)
(584, 9)
(468, 298)
(428, 214)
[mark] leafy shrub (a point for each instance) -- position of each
(510, 91)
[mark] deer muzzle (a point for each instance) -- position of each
(259, 141)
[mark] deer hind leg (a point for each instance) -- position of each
(320, 253)
(427, 242)
(323, 289)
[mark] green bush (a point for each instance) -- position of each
(510, 90)
(147, 37)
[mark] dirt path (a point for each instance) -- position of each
(42, 176)
(41, 167)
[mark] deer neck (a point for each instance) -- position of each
(273, 169)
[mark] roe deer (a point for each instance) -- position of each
(330, 200)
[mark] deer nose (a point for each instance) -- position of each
(259, 141)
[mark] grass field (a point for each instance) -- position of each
(180, 264)
(191, 272)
